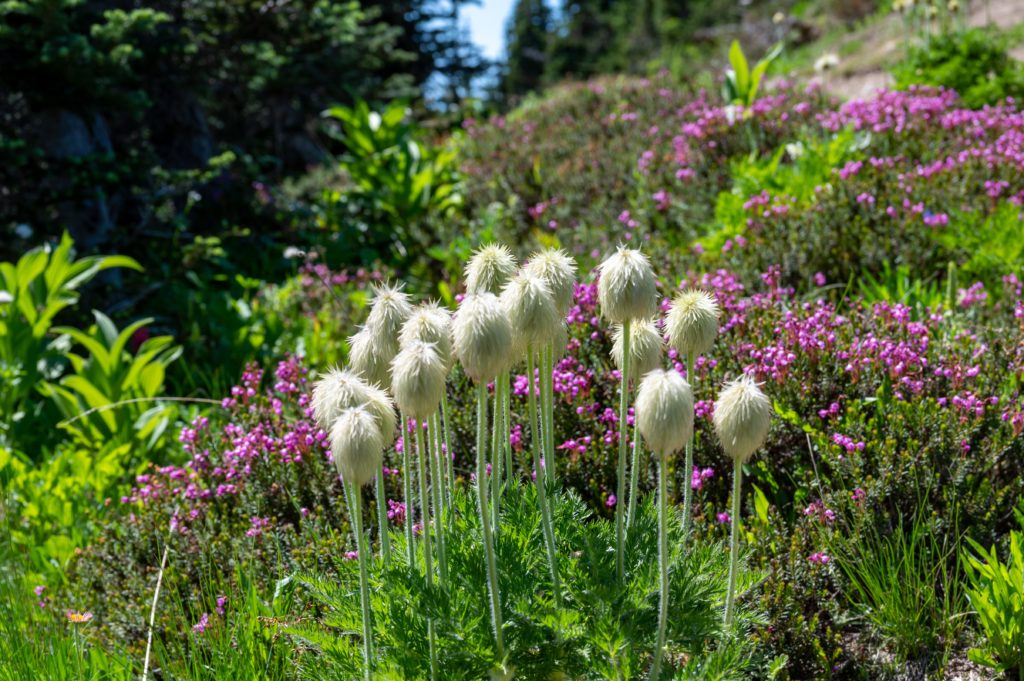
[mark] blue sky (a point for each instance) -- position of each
(487, 25)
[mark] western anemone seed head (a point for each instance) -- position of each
(645, 348)
(339, 390)
(389, 309)
(490, 269)
(429, 323)
(692, 322)
(742, 417)
(530, 308)
(558, 269)
(482, 336)
(418, 375)
(664, 411)
(370, 354)
(357, 445)
(627, 289)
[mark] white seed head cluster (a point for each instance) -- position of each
(742, 418)
(645, 347)
(664, 411)
(482, 336)
(357, 446)
(339, 390)
(558, 269)
(627, 289)
(418, 379)
(429, 323)
(490, 269)
(692, 322)
(370, 355)
(530, 308)
(389, 309)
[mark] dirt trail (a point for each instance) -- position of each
(862, 73)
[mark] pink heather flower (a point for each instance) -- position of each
(698, 477)
(723, 518)
(819, 558)
(819, 279)
(351, 555)
(39, 590)
(396, 511)
(610, 503)
(200, 626)
(221, 602)
(858, 495)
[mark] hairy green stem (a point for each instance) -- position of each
(688, 471)
(428, 563)
(634, 477)
(663, 560)
(547, 386)
(545, 510)
(506, 423)
(407, 474)
(495, 478)
(734, 542)
(382, 517)
(434, 443)
(485, 524)
(620, 505)
(356, 496)
(449, 474)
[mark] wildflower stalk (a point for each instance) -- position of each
(428, 563)
(506, 421)
(545, 509)
(382, 517)
(355, 494)
(434, 443)
(495, 479)
(547, 387)
(623, 412)
(663, 559)
(410, 538)
(485, 525)
(688, 474)
(448, 473)
(734, 541)
(634, 478)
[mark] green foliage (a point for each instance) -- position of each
(742, 82)
(989, 241)
(398, 180)
(995, 590)
(903, 582)
(43, 282)
(898, 285)
(604, 630)
(109, 398)
(974, 63)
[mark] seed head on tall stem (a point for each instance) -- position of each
(626, 291)
(742, 420)
(664, 416)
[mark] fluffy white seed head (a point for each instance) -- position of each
(645, 347)
(692, 322)
(530, 308)
(627, 288)
(482, 336)
(370, 354)
(357, 445)
(664, 411)
(742, 418)
(429, 323)
(418, 377)
(340, 389)
(389, 309)
(558, 269)
(561, 341)
(490, 269)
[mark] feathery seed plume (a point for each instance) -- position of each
(490, 269)
(742, 418)
(664, 411)
(530, 308)
(645, 348)
(692, 322)
(429, 323)
(340, 389)
(558, 269)
(418, 377)
(482, 336)
(389, 309)
(627, 289)
(370, 354)
(356, 445)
